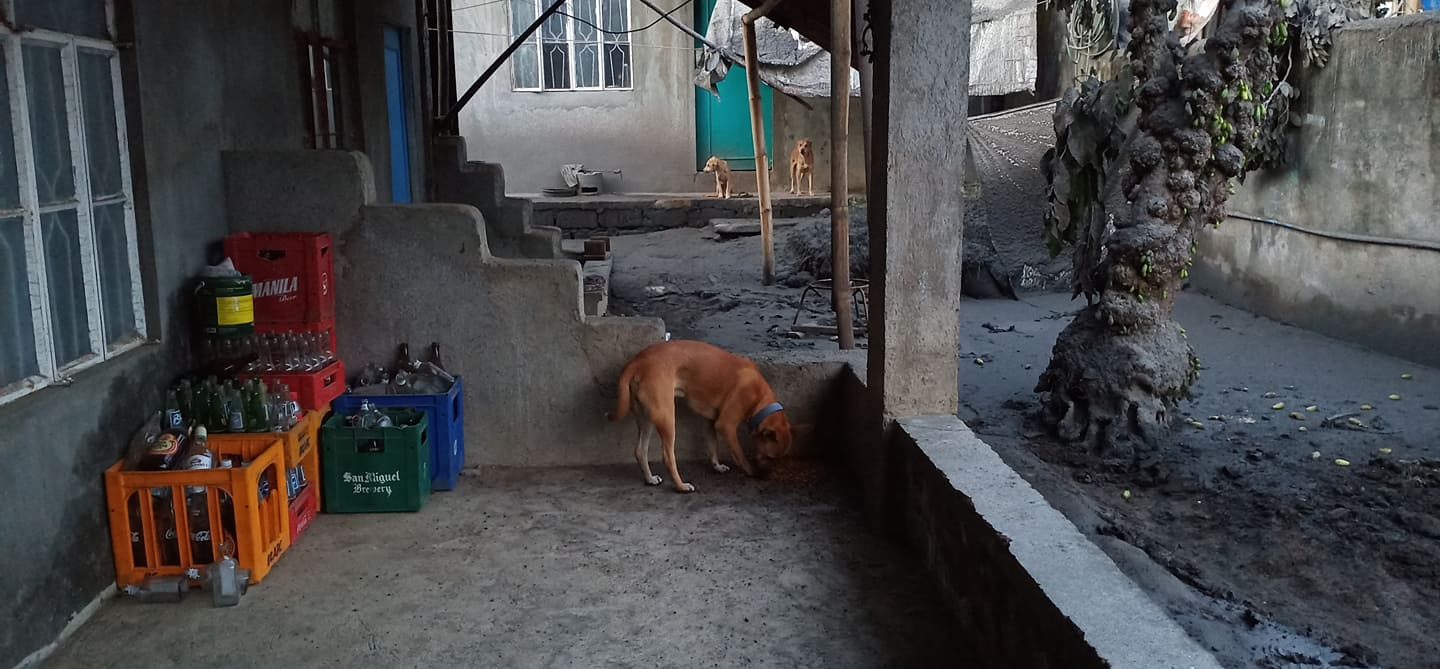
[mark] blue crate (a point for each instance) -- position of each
(447, 427)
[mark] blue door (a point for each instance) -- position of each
(722, 128)
(399, 124)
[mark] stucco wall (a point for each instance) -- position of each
(1364, 165)
(648, 132)
(188, 94)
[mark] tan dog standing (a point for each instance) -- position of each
(802, 165)
(721, 387)
(722, 176)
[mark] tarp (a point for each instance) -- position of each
(1002, 51)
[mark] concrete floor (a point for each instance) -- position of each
(563, 568)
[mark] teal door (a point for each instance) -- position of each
(722, 127)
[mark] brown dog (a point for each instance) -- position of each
(723, 388)
(802, 165)
(722, 176)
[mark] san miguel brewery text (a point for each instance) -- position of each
(372, 483)
(286, 289)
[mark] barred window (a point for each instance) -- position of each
(583, 47)
(70, 284)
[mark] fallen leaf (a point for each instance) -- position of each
(1315, 455)
(1304, 429)
(1125, 494)
(1407, 376)
(1366, 407)
(1395, 397)
(1312, 408)
(1342, 462)
(1386, 451)
(1270, 396)
(1356, 421)
(1197, 424)
(1278, 406)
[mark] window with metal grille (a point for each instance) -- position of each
(583, 47)
(70, 284)
(320, 34)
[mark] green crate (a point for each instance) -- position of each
(379, 469)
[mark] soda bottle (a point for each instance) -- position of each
(174, 416)
(256, 417)
(199, 456)
(234, 410)
(165, 524)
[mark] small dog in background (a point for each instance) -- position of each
(802, 165)
(722, 176)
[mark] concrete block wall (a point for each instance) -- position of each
(1358, 254)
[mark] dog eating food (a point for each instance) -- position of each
(721, 387)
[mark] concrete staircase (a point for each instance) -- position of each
(508, 220)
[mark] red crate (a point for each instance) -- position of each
(292, 272)
(314, 389)
(326, 327)
(304, 509)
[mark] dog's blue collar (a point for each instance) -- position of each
(760, 416)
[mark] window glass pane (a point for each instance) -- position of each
(49, 132)
(17, 333)
(553, 30)
(116, 283)
(9, 178)
(617, 66)
(616, 17)
(587, 65)
(77, 17)
(527, 66)
(97, 98)
(69, 321)
(585, 20)
(557, 65)
(522, 14)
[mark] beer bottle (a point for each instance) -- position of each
(165, 452)
(256, 417)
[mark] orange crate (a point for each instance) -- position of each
(262, 526)
(302, 445)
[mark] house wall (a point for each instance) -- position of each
(200, 78)
(648, 132)
(1364, 180)
(199, 93)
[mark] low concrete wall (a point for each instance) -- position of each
(580, 217)
(1363, 183)
(1029, 589)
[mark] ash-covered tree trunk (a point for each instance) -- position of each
(1140, 164)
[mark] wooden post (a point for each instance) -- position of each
(757, 131)
(840, 170)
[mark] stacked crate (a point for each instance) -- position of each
(293, 274)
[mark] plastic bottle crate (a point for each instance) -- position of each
(376, 469)
(292, 273)
(303, 510)
(260, 520)
(325, 327)
(301, 449)
(447, 427)
(315, 389)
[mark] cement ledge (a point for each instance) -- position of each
(1017, 570)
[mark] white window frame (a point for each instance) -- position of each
(52, 372)
(568, 14)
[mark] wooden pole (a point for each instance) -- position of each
(840, 169)
(757, 131)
